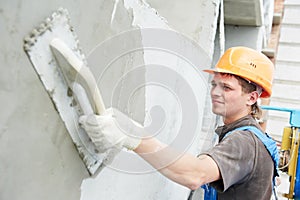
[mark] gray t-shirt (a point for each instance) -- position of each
(245, 165)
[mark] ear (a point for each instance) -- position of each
(252, 98)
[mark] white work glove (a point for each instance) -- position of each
(113, 129)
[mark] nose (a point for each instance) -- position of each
(216, 91)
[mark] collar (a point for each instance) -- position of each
(248, 120)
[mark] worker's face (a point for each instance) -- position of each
(228, 99)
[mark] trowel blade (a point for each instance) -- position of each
(37, 47)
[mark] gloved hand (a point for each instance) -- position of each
(112, 129)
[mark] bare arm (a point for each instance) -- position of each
(182, 168)
(185, 169)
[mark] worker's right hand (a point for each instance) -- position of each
(112, 129)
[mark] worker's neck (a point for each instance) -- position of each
(231, 119)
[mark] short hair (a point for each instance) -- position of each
(248, 87)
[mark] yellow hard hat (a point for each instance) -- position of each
(248, 64)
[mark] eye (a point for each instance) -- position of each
(226, 87)
(213, 85)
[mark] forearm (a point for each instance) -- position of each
(107, 131)
(182, 168)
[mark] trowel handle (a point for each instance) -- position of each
(93, 89)
(75, 70)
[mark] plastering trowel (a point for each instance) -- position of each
(55, 55)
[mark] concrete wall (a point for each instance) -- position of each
(174, 90)
(38, 159)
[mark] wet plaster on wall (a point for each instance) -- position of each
(196, 19)
(113, 184)
(198, 24)
(113, 55)
(202, 25)
(38, 158)
(144, 16)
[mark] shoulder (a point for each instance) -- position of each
(239, 146)
(240, 137)
(235, 156)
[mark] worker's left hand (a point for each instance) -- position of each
(112, 129)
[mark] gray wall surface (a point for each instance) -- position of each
(38, 158)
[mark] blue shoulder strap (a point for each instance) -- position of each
(268, 142)
(210, 193)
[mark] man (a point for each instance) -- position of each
(240, 166)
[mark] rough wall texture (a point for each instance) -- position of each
(164, 73)
(196, 19)
(38, 159)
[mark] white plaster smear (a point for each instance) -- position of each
(113, 14)
(152, 185)
(144, 16)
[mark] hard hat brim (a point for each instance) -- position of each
(217, 70)
(264, 94)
